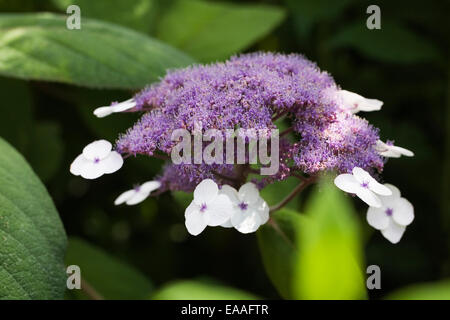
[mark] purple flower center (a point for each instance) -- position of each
(389, 211)
(96, 160)
(243, 206)
(203, 207)
(365, 184)
(137, 187)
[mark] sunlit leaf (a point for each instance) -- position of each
(32, 238)
(200, 290)
(329, 264)
(100, 55)
(423, 291)
(212, 31)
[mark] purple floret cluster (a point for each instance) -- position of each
(251, 91)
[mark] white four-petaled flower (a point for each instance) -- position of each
(102, 112)
(393, 216)
(363, 185)
(209, 208)
(138, 193)
(250, 211)
(390, 151)
(96, 160)
(354, 102)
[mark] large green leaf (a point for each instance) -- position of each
(32, 238)
(200, 290)
(393, 43)
(100, 55)
(135, 14)
(108, 276)
(423, 291)
(307, 13)
(278, 246)
(330, 255)
(213, 31)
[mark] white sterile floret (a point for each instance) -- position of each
(102, 112)
(354, 102)
(390, 151)
(393, 216)
(96, 160)
(209, 208)
(250, 211)
(363, 185)
(138, 193)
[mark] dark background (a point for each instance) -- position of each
(405, 64)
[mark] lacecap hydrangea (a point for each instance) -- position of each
(254, 91)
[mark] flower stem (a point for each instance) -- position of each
(294, 192)
(90, 291)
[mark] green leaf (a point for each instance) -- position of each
(45, 152)
(393, 43)
(307, 13)
(110, 277)
(32, 238)
(15, 113)
(200, 290)
(424, 291)
(135, 14)
(278, 246)
(100, 55)
(330, 259)
(213, 31)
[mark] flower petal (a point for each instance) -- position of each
(347, 183)
(368, 105)
(124, 197)
(111, 163)
(393, 232)
(378, 188)
(390, 153)
(205, 191)
(92, 171)
(364, 177)
(263, 211)
(231, 193)
(99, 149)
(403, 151)
(124, 105)
(78, 164)
(218, 211)
(194, 222)
(377, 218)
(403, 212)
(103, 112)
(246, 221)
(227, 224)
(361, 175)
(249, 193)
(369, 197)
(395, 192)
(150, 186)
(355, 102)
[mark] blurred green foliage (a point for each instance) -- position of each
(129, 44)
